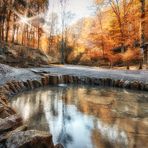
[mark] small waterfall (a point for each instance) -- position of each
(60, 79)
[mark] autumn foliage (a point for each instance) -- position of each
(112, 36)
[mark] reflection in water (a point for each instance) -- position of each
(87, 117)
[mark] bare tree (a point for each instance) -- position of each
(63, 4)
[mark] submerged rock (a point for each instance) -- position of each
(31, 139)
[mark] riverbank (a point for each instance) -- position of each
(16, 80)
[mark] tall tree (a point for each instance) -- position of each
(63, 4)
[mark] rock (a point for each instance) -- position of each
(30, 139)
(81, 80)
(67, 79)
(126, 84)
(3, 102)
(141, 86)
(59, 146)
(16, 84)
(22, 86)
(4, 99)
(4, 114)
(107, 82)
(117, 83)
(8, 91)
(45, 80)
(30, 85)
(53, 79)
(36, 83)
(135, 85)
(5, 90)
(26, 85)
(6, 111)
(1, 108)
(2, 145)
(12, 87)
(146, 87)
(6, 135)
(112, 82)
(10, 123)
(74, 79)
(121, 83)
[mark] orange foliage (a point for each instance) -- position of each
(132, 54)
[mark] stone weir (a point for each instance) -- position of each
(14, 134)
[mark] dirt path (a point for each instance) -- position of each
(8, 73)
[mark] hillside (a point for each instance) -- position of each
(22, 56)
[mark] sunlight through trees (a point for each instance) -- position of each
(114, 29)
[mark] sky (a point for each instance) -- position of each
(80, 8)
(77, 8)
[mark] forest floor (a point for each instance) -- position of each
(8, 73)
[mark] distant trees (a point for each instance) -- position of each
(112, 34)
(114, 30)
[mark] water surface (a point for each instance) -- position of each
(87, 116)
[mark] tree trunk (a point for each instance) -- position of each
(14, 29)
(141, 64)
(17, 30)
(127, 65)
(143, 29)
(8, 25)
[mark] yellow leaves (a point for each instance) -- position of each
(79, 49)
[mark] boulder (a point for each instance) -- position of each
(31, 139)
(6, 135)
(10, 123)
(6, 111)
